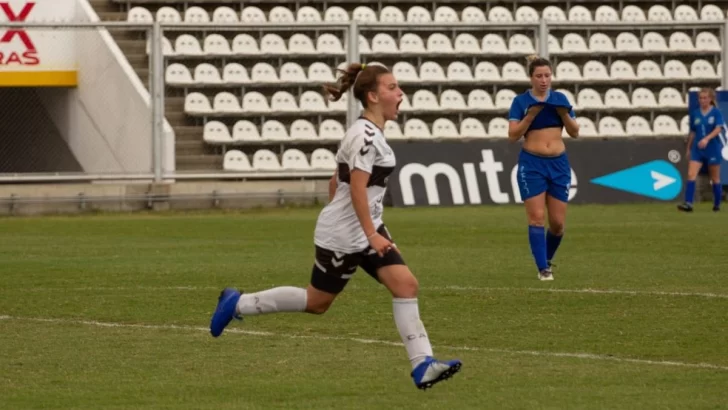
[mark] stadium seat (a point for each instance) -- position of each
(654, 41)
(364, 47)
(600, 43)
(589, 98)
(526, 14)
(680, 42)
(196, 15)
(439, 43)
(553, 14)
(364, 14)
(702, 69)
(280, 14)
(580, 14)
(638, 126)
(215, 132)
(405, 72)
(444, 128)
(520, 44)
(392, 131)
(675, 69)
(685, 13)
(206, 73)
(513, 71)
(569, 96)
(244, 130)
(187, 45)
(323, 159)
(611, 127)
(301, 44)
(224, 14)
(329, 44)
(553, 44)
(331, 130)
(283, 101)
(235, 73)
(648, 69)
(197, 103)
(643, 98)
(567, 71)
(263, 73)
(416, 128)
(574, 43)
(498, 127)
(446, 14)
(139, 14)
(167, 14)
(308, 14)
(627, 41)
(500, 14)
(616, 98)
(494, 44)
(472, 128)
(586, 127)
(659, 13)
(295, 160)
(452, 100)
(425, 100)
(606, 14)
(167, 49)
(431, 71)
(487, 71)
(411, 43)
(711, 12)
(459, 71)
(272, 43)
(226, 103)
(245, 44)
(418, 15)
(265, 160)
(670, 97)
(177, 74)
(707, 41)
(252, 14)
(622, 70)
(274, 130)
(336, 14)
(504, 97)
(633, 14)
(467, 43)
(594, 70)
(391, 14)
(253, 101)
(236, 160)
(664, 125)
(384, 43)
(473, 15)
(480, 100)
(320, 72)
(685, 125)
(215, 44)
(292, 73)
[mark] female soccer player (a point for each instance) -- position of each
(350, 233)
(544, 173)
(706, 124)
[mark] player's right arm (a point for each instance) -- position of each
(333, 183)
(519, 120)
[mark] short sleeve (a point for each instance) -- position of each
(517, 113)
(572, 113)
(363, 153)
(718, 117)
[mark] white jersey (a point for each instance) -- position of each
(363, 147)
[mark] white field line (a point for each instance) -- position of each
(586, 356)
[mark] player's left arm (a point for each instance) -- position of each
(718, 126)
(568, 117)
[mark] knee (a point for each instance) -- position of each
(556, 227)
(318, 302)
(407, 288)
(536, 217)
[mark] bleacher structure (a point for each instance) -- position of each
(250, 98)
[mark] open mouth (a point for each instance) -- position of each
(398, 104)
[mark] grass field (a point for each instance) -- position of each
(111, 311)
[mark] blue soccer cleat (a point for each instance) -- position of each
(432, 371)
(225, 311)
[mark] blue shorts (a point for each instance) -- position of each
(538, 174)
(711, 155)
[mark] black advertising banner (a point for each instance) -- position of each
(432, 173)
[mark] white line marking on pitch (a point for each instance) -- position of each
(589, 356)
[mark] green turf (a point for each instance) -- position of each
(76, 278)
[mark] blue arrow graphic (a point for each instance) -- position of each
(655, 179)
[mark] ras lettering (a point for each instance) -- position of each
(450, 181)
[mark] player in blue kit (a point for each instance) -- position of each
(544, 173)
(704, 147)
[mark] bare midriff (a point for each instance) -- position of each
(546, 142)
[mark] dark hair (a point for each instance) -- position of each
(364, 78)
(536, 61)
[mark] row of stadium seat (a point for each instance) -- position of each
(244, 131)
(457, 72)
(291, 160)
(419, 14)
(464, 43)
(226, 102)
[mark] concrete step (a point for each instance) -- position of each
(111, 15)
(199, 162)
(196, 147)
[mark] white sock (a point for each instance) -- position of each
(411, 330)
(281, 299)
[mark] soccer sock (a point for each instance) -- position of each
(689, 192)
(717, 190)
(411, 330)
(537, 239)
(552, 244)
(281, 299)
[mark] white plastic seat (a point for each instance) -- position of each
(272, 43)
(670, 97)
(418, 14)
(707, 41)
(393, 131)
(196, 15)
(308, 14)
(364, 14)
(384, 43)
(685, 125)
(504, 97)
(654, 41)
(364, 47)
(301, 44)
(675, 69)
(245, 44)
(580, 13)
(567, 70)
(702, 69)
(622, 70)
(627, 41)
(711, 12)
(637, 126)
(283, 101)
(648, 69)
(329, 44)
(459, 71)
(215, 132)
(197, 103)
(444, 128)
(431, 71)
(280, 14)
(606, 14)
(235, 73)
(446, 14)
(263, 73)
(633, 14)
(569, 96)
(616, 98)
(295, 160)
(323, 159)
(177, 74)
(586, 127)
(643, 98)
(391, 14)
(439, 43)
(405, 72)
(236, 160)
(274, 130)
(574, 43)
(472, 14)
(336, 14)
(665, 125)
(500, 14)
(215, 44)
(292, 73)
(680, 42)
(600, 43)
(659, 12)
(685, 13)
(553, 44)
(187, 45)
(452, 100)
(244, 130)
(224, 14)
(553, 14)
(320, 72)
(485, 70)
(467, 43)
(252, 14)
(494, 44)
(514, 71)
(265, 160)
(341, 104)
(594, 70)
(589, 98)
(411, 43)
(226, 103)
(253, 101)
(526, 14)
(139, 14)
(425, 100)
(521, 44)
(416, 128)
(472, 128)
(498, 127)
(611, 127)
(167, 14)
(206, 73)
(331, 130)
(480, 100)
(167, 49)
